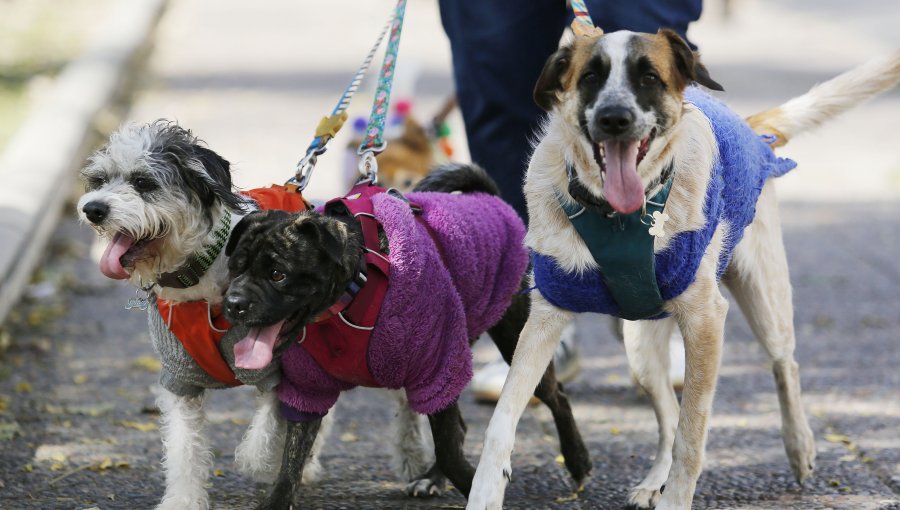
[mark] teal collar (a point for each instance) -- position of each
(197, 264)
(622, 246)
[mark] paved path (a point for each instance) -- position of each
(76, 408)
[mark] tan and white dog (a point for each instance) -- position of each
(617, 115)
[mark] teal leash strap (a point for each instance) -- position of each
(374, 134)
(329, 126)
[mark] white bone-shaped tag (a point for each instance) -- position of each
(657, 228)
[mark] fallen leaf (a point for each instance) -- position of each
(80, 378)
(42, 345)
(56, 466)
(841, 439)
(4, 403)
(567, 499)
(5, 340)
(148, 363)
(23, 387)
(9, 430)
(834, 483)
(240, 421)
(54, 409)
(91, 410)
(218, 472)
(615, 431)
(837, 438)
(105, 464)
(349, 437)
(138, 425)
(59, 457)
(28, 468)
(848, 458)
(560, 459)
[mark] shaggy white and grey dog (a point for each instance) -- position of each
(159, 198)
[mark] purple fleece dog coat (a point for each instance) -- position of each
(438, 298)
(745, 162)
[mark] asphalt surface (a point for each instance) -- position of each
(77, 419)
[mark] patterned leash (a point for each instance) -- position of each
(583, 25)
(373, 142)
(329, 126)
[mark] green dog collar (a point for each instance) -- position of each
(190, 273)
(622, 246)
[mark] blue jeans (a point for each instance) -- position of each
(499, 48)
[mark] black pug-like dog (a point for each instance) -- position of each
(323, 259)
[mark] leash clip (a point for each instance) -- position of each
(305, 169)
(368, 165)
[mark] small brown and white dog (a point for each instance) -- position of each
(620, 127)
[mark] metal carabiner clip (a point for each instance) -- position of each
(368, 166)
(305, 169)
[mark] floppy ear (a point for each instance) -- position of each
(251, 225)
(687, 62)
(321, 233)
(215, 179)
(550, 81)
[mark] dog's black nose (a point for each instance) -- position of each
(615, 120)
(96, 211)
(237, 305)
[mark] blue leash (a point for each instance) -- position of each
(329, 126)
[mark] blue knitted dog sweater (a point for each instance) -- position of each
(745, 162)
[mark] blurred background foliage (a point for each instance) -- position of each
(37, 38)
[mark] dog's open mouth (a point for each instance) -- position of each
(122, 253)
(618, 160)
(254, 351)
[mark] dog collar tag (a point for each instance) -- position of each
(140, 299)
(657, 228)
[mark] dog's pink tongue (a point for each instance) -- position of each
(110, 265)
(622, 187)
(255, 350)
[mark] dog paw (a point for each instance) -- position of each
(642, 498)
(197, 501)
(312, 472)
(801, 451)
(278, 499)
(425, 488)
(488, 491)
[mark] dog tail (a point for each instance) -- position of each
(457, 177)
(827, 100)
